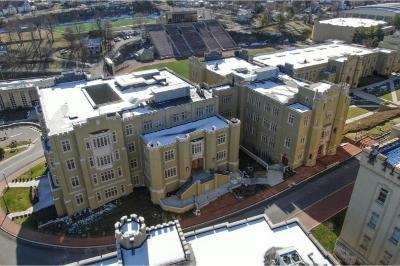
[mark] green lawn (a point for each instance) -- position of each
(381, 130)
(17, 199)
(119, 23)
(12, 152)
(328, 232)
(180, 67)
(387, 96)
(35, 171)
(356, 111)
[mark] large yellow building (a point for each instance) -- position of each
(333, 61)
(371, 229)
(151, 128)
(283, 119)
(345, 28)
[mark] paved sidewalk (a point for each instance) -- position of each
(328, 207)
(350, 120)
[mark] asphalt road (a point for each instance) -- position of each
(34, 152)
(289, 203)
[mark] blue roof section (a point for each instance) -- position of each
(393, 154)
(168, 136)
(298, 107)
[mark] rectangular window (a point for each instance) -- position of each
(196, 147)
(183, 116)
(373, 221)
(199, 111)
(266, 123)
(221, 155)
(129, 130)
(302, 140)
(110, 192)
(382, 196)
(136, 180)
(87, 144)
(79, 199)
(226, 99)
(290, 119)
(98, 195)
(365, 242)
(116, 155)
(114, 136)
(107, 175)
(122, 189)
(306, 120)
(288, 142)
(101, 141)
(104, 160)
(267, 108)
(209, 109)
(94, 178)
(221, 139)
(386, 257)
(91, 163)
(75, 181)
(134, 163)
(395, 237)
(170, 172)
(147, 125)
(70, 164)
(175, 118)
(119, 170)
(275, 111)
(66, 146)
(169, 155)
(131, 147)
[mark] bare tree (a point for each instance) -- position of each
(51, 22)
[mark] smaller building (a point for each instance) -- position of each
(345, 28)
(94, 46)
(179, 16)
(252, 241)
(371, 229)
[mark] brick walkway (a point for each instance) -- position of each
(228, 204)
(221, 207)
(324, 209)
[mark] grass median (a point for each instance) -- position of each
(327, 232)
(16, 199)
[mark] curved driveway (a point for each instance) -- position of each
(34, 152)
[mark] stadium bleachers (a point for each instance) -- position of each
(185, 39)
(220, 35)
(194, 40)
(162, 44)
(206, 36)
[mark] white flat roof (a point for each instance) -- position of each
(353, 22)
(169, 136)
(312, 55)
(162, 247)
(63, 100)
(247, 243)
(229, 65)
(278, 91)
